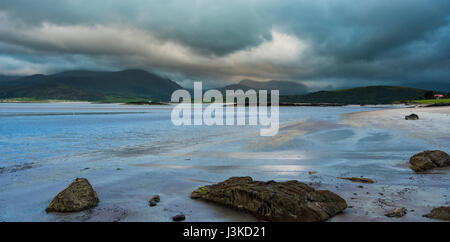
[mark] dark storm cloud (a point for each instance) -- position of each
(318, 42)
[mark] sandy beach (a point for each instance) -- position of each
(424, 191)
(136, 153)
(433, 125)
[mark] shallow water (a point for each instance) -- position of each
(45, 146)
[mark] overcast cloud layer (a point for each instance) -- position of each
(317, 42)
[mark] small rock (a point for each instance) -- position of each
(179, 217)
(78, 196)
(442, 213)
(312, 172)
(412, 117)
(360, 187)
(357, 179)
(397, 212)
(156, 198)
(154, 201)
(429, 159)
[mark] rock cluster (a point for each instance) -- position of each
(274, 201)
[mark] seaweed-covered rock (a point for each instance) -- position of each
(442, 213)
(274, 201)
(429, 159)
(78, 196)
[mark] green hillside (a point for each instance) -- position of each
(91, 86)
(360, 95)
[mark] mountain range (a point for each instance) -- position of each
(133, 85)
(90, 86)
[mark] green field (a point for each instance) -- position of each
(431, 101)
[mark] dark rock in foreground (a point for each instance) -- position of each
(442, 213)
(357, 179)
(412, 117)
(78, 196)
(274, 201)
(179, 217)
(397, 212)
(428, 160)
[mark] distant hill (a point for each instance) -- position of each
(360, 95)
(285, 87)
(90, 86)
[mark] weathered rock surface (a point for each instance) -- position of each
(412, 117)
(429, 159)
(357, 179)
(442, 213)
(78, 196)
(274, 201)
(397, 212)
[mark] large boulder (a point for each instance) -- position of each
(429, 159)
(78, 196)
(274, 201)
(442, 213)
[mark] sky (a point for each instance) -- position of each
(321, 43)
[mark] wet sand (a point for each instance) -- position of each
(425, 191)
(374, 144)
